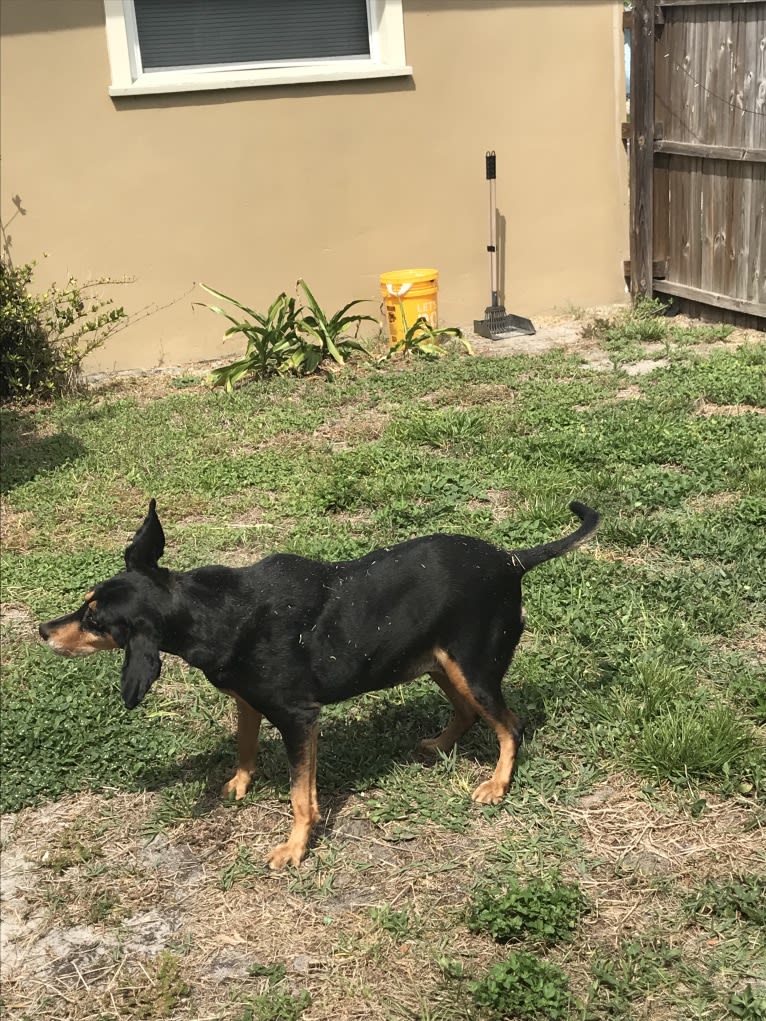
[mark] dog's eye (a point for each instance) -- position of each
(89, 621)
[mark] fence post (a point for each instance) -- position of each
(641, 147)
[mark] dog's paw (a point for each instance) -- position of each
(489, 793)
(285, 854)
(432, 746)
(238, 786)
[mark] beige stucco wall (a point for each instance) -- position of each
(249, 189)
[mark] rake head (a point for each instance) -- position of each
(498, 324)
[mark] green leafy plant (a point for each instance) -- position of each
(329, 332)
(288, 339)
(44, 338)
(748, 1004)
(545, 910)
(273, 342)
(422, 338)
(525, 988)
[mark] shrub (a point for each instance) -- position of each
(44, 338)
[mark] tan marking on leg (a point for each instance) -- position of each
(70, 640)
(492, 791)
(303, 798)
(464, 718)
(248, 732)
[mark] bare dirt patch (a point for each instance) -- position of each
(646, 856)
(17, 621)
(706, 410)
(85, 938)
(711, 501)
(353, 423)
(16, 530)
(80, 935)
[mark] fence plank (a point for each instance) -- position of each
(752, 308)
(756, 270)
(642, 149)
(715, 152)
(703, 3)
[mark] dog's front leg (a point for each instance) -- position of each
(248, 732)
(301, 743)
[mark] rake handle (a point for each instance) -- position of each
(491, 167)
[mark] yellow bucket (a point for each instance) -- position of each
(411, 292)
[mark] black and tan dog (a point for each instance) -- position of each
(289, 635)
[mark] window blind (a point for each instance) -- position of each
(188, 33)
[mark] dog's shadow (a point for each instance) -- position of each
(360, 743)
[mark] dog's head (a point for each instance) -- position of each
(123, 612)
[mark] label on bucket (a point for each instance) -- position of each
(409, 295)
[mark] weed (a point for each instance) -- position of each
(741, 898)
(697, 741)
(440, 429)
(105, 905)
(70, 850)
(642, 966)
(396, 923)
(543, 910)
(416, 801)
(242, 867)
(623, 335)
(275, 973)
(526, 988)
(158, 992)
(275, 1006)
(177, 804)
(422, 338)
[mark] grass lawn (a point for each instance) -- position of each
(623, 876)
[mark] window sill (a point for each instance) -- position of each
(152, 83)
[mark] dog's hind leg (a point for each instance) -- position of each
(463, 719)
(248, 732)
(487, 701)
(301, 743)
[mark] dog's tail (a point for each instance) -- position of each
(526, 559)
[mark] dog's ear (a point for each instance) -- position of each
(141, 668)
(148, 543)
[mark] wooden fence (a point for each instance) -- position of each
(697, 136)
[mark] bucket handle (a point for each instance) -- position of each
(400, 293)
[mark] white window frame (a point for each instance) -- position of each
(386, 59)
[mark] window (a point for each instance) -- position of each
(183, 45)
